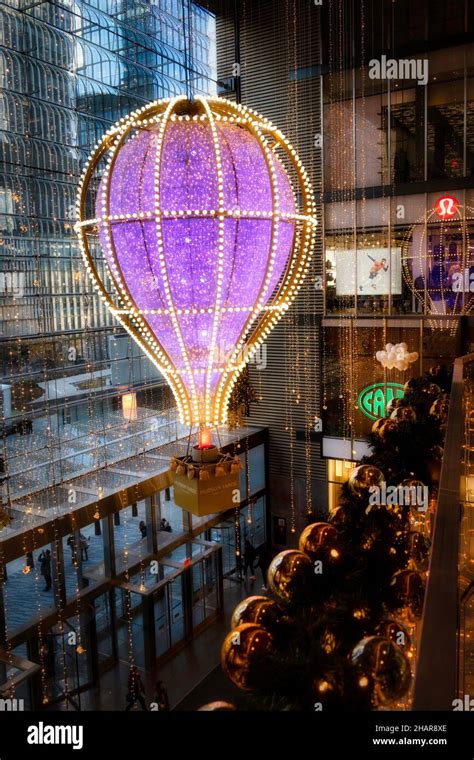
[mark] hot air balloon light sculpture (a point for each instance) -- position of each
(438, 262)
(206, 221)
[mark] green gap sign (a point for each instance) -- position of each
(374, 399)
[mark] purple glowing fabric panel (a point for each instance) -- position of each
(188, 181)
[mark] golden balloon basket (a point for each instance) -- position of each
(206, 480)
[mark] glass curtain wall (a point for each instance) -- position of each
(68, 70)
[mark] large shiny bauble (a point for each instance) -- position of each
(290, 575)
(240, 652)
(256, 609)
(404, 414)
(396, 632)
(418, 550)
(384, 662)
(321, 541)
(363, 477)
(406, 595)
(439, 409)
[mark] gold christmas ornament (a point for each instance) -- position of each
(431, 390)
(418, 550)
(407, 590)
(320, 541)
(403, 414)
(241, 649)
(381, 660)
(393, 404)
(388, 426)
(396, 632)
(410, 385)
(290, 575)
(256, 609)
(377, 425)
(439, 409)
(413, 494)
(364, 477)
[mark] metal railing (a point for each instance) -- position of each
(437, 679)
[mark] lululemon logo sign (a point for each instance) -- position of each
(446, 207)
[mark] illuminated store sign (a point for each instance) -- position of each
(374, 399)
(446, 207)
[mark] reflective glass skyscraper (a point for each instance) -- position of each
(74, 392)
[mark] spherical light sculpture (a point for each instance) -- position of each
(206, 220)
(437, 262)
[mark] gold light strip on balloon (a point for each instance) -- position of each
(198, 213)
(209, 417)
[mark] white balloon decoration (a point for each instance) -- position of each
(396, 355)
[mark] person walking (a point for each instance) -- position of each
(263, 562)
(71, 542)
(249, 559)
(136, 690)
(45, 568)
(84, 545)
(161, 697)
(142, 528)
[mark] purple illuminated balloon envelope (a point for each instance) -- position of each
(198, 223)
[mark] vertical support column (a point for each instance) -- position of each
(3, 632)
(3, 622)
(219, 581)
(187, 596)
(268, 512)
(187, 521)
(90, 627)
(113, 622)
(151, 520)
(35, 683)
(148, 609)
(109, 546)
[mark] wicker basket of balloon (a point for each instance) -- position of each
(206, 481)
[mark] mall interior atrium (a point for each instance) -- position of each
(237, 355)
